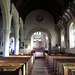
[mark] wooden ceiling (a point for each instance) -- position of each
(55, 7)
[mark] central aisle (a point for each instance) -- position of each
(40, 67)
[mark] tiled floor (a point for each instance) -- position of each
(40, 67)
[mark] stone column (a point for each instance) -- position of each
(29, 46)
(21, 35)
(49, 49)
(67, 36)
(16, 45)
(6, 34)
(16, 40)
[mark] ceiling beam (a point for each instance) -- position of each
(54, 7)
(19, 3)
(57, 4)
(27, 8)
(26, 11)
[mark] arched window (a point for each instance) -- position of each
(72, 35)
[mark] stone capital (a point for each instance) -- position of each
(16, 36)
(6, 31)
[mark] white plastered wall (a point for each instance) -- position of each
(47, 23)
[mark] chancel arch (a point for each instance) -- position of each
(39, 29)
(41, 20)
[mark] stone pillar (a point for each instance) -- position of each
(29, 46)
(67, 36)
(16, 45)
(16, 40)
(6, 34)
(49, 49)
(21, 35)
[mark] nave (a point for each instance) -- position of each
(29, 26)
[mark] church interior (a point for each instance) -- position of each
(37, 37)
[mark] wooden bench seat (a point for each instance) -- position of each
(63, 59)
(13, 59)
(54, 62)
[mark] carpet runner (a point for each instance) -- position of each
(40, 67)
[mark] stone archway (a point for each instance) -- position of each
(42, 30)
(15, 18)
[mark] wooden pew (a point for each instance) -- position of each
(16, 61)
(64, 61)
(29, 64)
(52, 60)
(60, 64)
(66, 67)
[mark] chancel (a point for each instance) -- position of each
(37, 37)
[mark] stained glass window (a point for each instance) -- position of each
(37, 36)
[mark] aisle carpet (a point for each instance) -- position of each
(40, 67)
